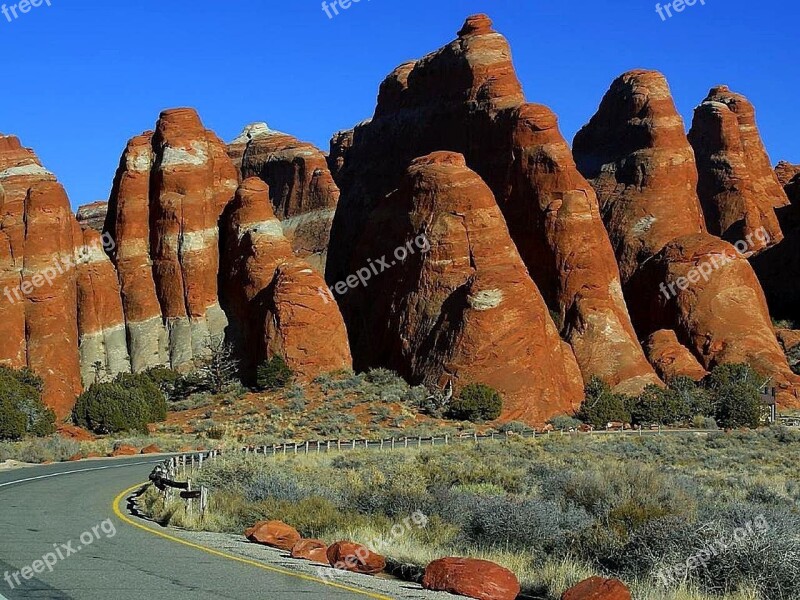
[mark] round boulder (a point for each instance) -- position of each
(470, 577)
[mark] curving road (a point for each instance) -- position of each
(45, 510)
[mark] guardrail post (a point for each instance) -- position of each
(419, 442)
(354, 444)
(329, 446)
(189, 500)
(381, 444)
(406, 441)
(203, 500)
(475, 436)
(339, 445)
(446, 439)
(392, 443)
(200, 466)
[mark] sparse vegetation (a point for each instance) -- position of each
(555, 510)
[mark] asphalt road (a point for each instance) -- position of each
(45, 510)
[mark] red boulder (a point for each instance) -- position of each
(470, 577)
(273, 533)
(313, 550)
(349, 556)
(597, 588)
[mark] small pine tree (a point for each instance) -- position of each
(736, 389)
(602, 406)
(273, 374)
(476, 402)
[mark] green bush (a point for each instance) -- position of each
(602, 406)
(273, 374)
(129, 403)
(166, 379)
(22, 411)
(476, 402)
(658, 405)
(736, 390)
(564, 423)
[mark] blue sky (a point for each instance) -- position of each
(82, 76)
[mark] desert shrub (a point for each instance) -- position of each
(476, 402)
(564, 422)
(22, 411)
(166, 380)
(518, 427)
(129, 403)
(602, 406)
(736, 391)
(273, 374)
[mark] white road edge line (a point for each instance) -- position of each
(145, 462)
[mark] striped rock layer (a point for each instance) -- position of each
(466, 97)
(302, 191)
(169, 192)
(61, 312)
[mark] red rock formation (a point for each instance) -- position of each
(273, 533)
(303, 323)
(302, 190)
(671, 358)
(93, 215)
(191, 182)
(760, 169)
(19, 170)
(101, 321)
(281, 305)
(349, 556)
(128, 224)
(550, 197)
(786, 171)
(312, 550)
(732, 182)
(466, 310)
(49, 285)
(168, 195)
(470, 577)
(722, 317)
(635, 153)
(466, 97)
(597, 588)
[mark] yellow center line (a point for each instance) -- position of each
(125, 518)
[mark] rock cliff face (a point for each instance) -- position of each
(93, 215)
(302, 190)
(128, 224)
(734, 188)
(281, 306)
(466, 98)
(671, 358)
(635, 153)
(458, 305)
(101, 321)
(778, 269)
(169, 193)
(675, 275)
